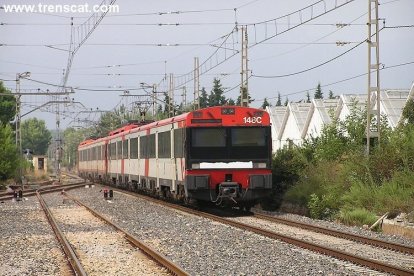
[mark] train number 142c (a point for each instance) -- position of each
(252, 120)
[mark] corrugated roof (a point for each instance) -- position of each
(277, 113)
(300, 113)
(392, 103)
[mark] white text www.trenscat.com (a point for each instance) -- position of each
(49, 8)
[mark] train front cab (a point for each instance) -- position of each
(229, 165)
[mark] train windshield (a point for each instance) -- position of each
(208, 137)
(248, 137)
(230, 144)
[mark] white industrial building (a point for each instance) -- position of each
(297, 122)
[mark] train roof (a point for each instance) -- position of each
(201, 117)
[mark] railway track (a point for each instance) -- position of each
(313, 246)
(47, 189)
(336, 233)
(83, 262)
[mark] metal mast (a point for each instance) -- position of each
(373, 130)
(171, 96)
(196, 84)
(244, 87)
(184, 97)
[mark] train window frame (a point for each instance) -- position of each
(133, 148)
(119, 150)
(151, 146)
(100, 152)
(143, 149)
(164, 144)
(179, 140)
(103, 150)
(125, 151)
(112, 150)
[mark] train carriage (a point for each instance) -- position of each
(216, 154)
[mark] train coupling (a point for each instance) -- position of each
(229, 189)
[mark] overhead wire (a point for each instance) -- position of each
(340, 81)
(311, 68)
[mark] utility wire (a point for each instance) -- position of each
(311, 68)
(340, 81)
(399, 27)
(81, 89)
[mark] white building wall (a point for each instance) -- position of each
(290, 133)
(315, 125)
(285, 127)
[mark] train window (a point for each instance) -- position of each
(208, 137)
(112, 150)
(103, 156)
(151, 146)
(99, 150)
(179, 143)
(164, 145)
(125, 149)
(133, 148)
(248, 137)
(143, 148)
(119, 150)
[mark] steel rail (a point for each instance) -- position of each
(49, 189)
(67, 248)
(369, 263)
(336, 233)
(159, 258)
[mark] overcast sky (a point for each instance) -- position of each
(131, 39)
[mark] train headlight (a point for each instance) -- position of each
(195, 165)
(259, 165)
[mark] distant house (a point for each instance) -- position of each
(297, 122)
(39, 165)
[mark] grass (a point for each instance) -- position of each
(358, 216)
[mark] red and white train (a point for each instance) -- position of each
(216, 154)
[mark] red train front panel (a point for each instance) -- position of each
(228, 155)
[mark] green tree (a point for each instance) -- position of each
(286, 102)
(168, 105)
(35, 135)
(408, 112)
(216, 97)
(238, 101)
(331, 95)
(7, 105)
(71, 139)
(279, 100)
(308, 100)
(203, 98)
(108, 121)
(265, 103)
(231, 102)
(9, 159)
(318, 92)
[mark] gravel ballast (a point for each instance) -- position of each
(102, 250)
(204, 247)
(341, 227)
(28, 245)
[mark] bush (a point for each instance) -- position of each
(322, 178)
(320, 208)
(358, 216)
(395, 194)
(287, 165)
